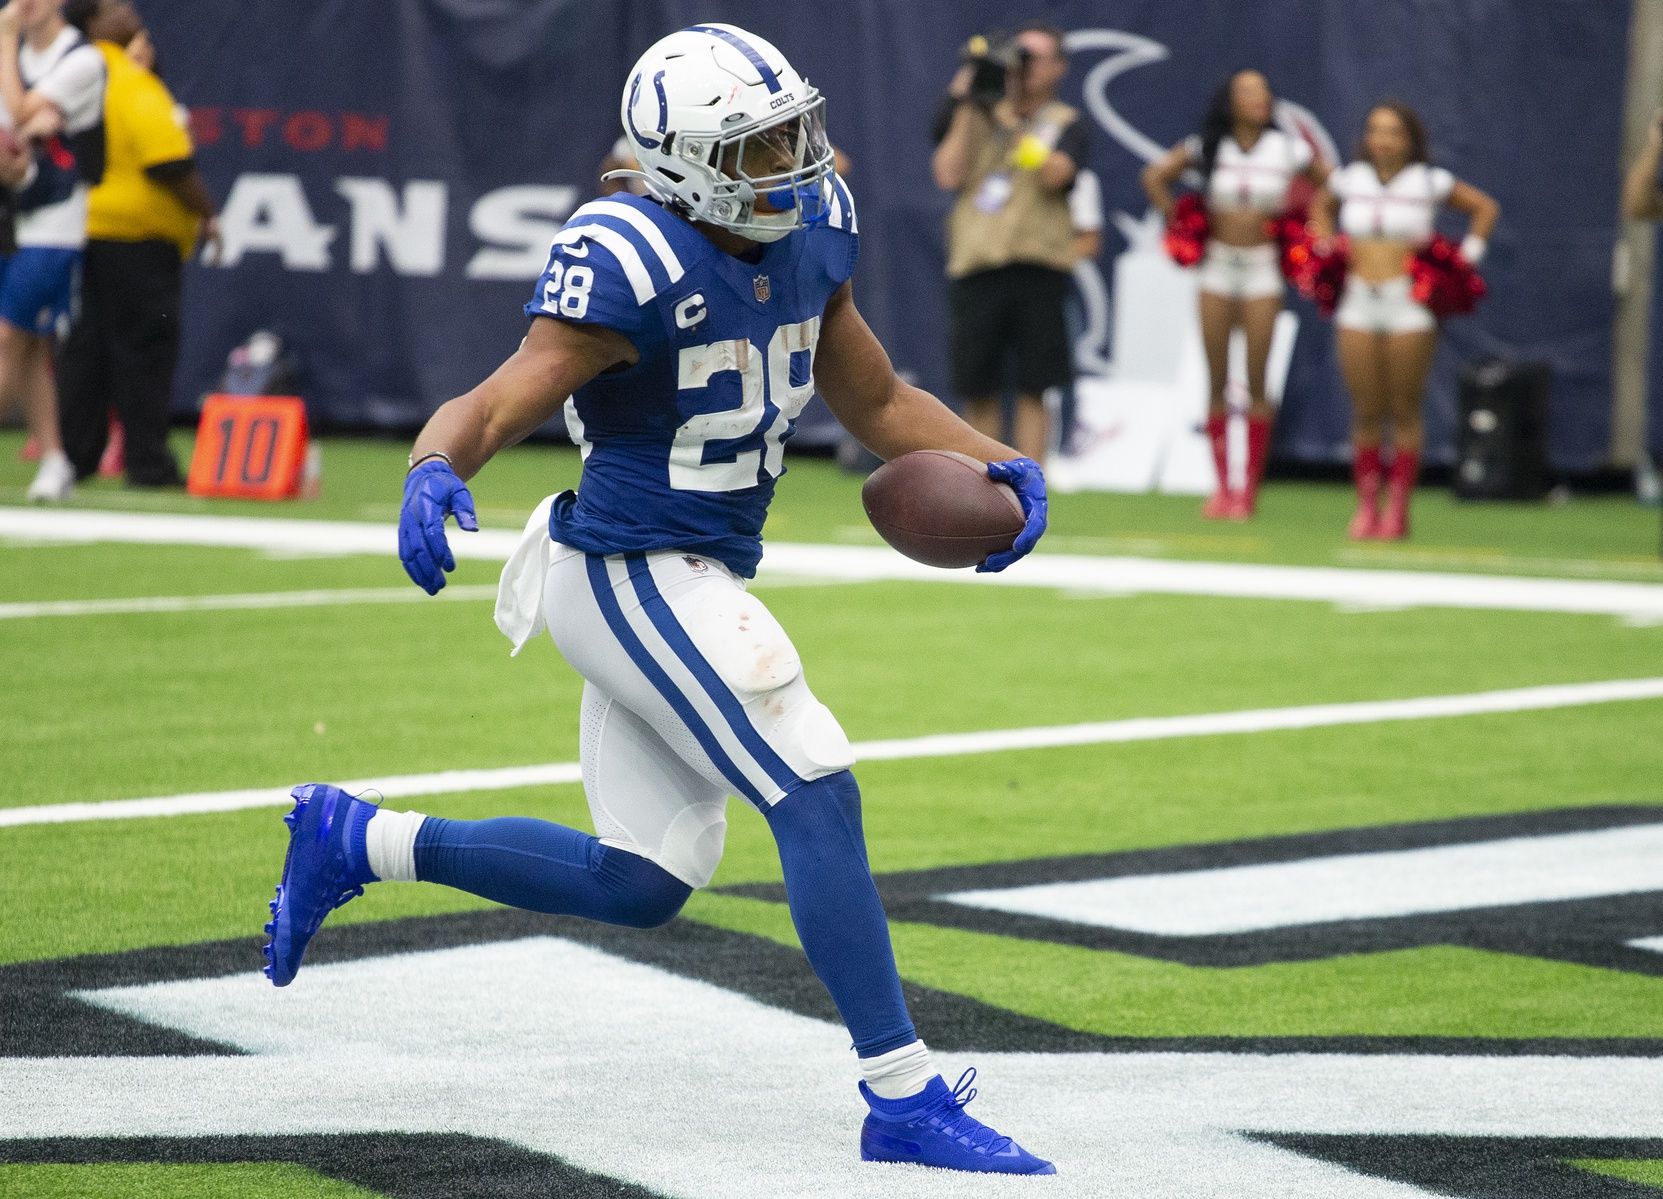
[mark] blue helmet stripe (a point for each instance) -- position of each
(629, 112)
(663, 104)
(738, 43)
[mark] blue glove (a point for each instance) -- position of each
(431, 492)
(1025, 477)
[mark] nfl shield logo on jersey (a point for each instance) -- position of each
(763, 288)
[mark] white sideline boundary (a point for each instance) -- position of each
(937, 746)
(1639, 603)
(244, 601)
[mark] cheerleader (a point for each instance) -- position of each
(1386, 204)
(1246, 166)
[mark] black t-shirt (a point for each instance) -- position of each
(1076, 141)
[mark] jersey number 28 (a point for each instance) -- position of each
(567, 289)
(697, 462)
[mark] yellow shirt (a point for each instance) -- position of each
(142, 128)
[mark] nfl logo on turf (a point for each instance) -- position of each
(763, 288)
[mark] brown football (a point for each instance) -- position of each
(941, 509)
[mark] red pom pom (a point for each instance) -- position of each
(1443, 281)
(1186, 230)
(1293, 243)
(1321, 271)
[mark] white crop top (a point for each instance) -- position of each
(1402, 210)
(1255, 179)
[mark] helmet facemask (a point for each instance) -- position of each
(770, 177)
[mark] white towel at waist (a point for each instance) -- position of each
(520, 593)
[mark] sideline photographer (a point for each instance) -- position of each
(1010, 153)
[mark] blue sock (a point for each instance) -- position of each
(545, 867)
(835, 906)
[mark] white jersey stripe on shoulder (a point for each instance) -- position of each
(848, 203)
(835, 220)
(641, 223)
(622, 249)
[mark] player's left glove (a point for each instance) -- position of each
(1025, 477)
(432, 492)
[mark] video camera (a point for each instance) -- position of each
(994, 56)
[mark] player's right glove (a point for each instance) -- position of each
(432, 491)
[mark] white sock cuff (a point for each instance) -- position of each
(390, 845)
(900, 1072)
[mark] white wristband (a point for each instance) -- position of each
(1473, 247)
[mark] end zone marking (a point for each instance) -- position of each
(1355, 886)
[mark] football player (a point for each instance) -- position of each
(682, 332)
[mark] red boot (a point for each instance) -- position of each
(113, 462)
(1394, 522)
(1218, 436)
(1258, 452)
(1366, 474)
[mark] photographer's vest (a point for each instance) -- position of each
(1004, 214)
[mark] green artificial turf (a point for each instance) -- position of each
(163, 703)
(244, 1180)
(128, 705)
(1640, 1171)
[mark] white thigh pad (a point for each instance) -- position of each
(752, 654)
(739, 637)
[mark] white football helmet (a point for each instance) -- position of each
(718, 120)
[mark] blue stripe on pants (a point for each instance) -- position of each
(664, 620)
(601, 584)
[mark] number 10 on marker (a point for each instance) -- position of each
(249, 447)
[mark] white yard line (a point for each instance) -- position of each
(248, 600)
(938, 746)
(1264, 720)
(404, 786)
(321, 598)
(1638, 603)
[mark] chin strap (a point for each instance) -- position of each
(627, 173)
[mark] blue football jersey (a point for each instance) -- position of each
(682, 449)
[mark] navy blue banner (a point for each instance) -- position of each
(392, 172)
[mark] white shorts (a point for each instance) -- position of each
(1387, 307)
(1240, 272)
(692, 692)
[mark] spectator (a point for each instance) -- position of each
(143, 222)
(1010, 242)
(1643, 188)
(52, 84)
(16, 166)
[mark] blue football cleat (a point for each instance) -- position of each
(320, 872)
(933, 1129)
